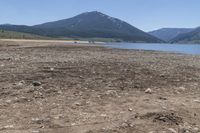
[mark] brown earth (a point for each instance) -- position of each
(49, 87)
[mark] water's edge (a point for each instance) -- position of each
(193, 49)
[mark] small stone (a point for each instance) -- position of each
(59, 92)
(163, 107)
(35, 131)
(51, 68)
(182, 88)
(103, 115)
(182, 130)
(35, 119)
(171, 130)
(111, 92)
(162, 98)
(148, 91)
(130, 109)
(197, 101)
(8, 101)
(195, 130)
(36, 83)
(162, 75)
(21, 83)
(59, 116)
(77, 104)
(73, 124)
(7, 127)
(124, 124)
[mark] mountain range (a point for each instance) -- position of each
(178, 35)
(190, 37)
(167, 34)
(98, 25)
(87, 25)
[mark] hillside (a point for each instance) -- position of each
(87, 25)
(18, 35)
(191, 37)
(167, 34)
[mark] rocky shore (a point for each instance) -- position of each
(53, 87)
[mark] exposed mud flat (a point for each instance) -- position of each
(49, 87)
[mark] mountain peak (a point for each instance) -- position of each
(101, 17)
(93, 12)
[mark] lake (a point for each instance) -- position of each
(175, 48)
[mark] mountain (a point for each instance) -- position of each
(87, 25)
(167, 34)
(191, 37)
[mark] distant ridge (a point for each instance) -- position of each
(168, 34)
(87, 25)
(190, 37)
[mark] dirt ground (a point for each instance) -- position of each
(49, 87)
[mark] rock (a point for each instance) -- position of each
(7, 127)
(73, 124)
(60, 92)
(8, 101)
(197, 101)
(163, 107)
(77, 104)
(152, 132)
(148, 91)
(184, 129)
(111, 92)
(22, 99)
(36, 120)
(36, 83)
(171, 130)
(40, 120)
(130, 109)
(103, 115)
(124, 124)
(59, 116)
(35, 131)
(181, 88)
(162, 75)
(195, 130)
(162, 98)
(21, 83)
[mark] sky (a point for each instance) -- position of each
(146, 15)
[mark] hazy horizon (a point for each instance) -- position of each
(144, 14)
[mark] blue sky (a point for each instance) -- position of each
(144, 14)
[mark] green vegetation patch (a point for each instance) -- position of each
(19, 35)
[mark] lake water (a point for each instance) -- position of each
(175, 48)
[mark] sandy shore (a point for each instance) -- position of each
(51, 87)
(46, 41)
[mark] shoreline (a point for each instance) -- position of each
(47, 41)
